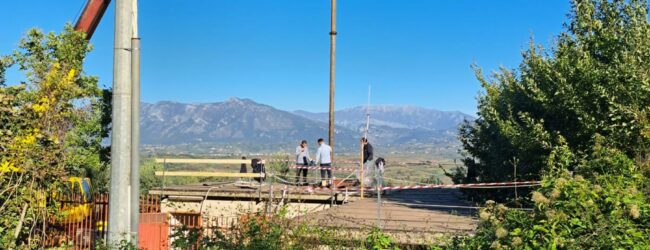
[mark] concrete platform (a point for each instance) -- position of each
(410, 216)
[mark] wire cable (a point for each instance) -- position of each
(446, 206)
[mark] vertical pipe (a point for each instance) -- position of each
(361, 170)
(365, 135)
(378, 180)
(332, 74)
(86, 224)
(76, 219)
(67, 222)
(135, 137)
(135, 125)
(119, 212)
(102, 217)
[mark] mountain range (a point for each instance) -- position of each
(245, 121)
(393, 116)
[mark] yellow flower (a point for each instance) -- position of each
(71, 75)
(597, 188)
(516, 241)
(539, 198)
(501, 232)
(555, 193)
(501, 208)
(42, 105)
(634, 211)
(550, 214)
(28, 140)
(54, 139)
(51, 74)
(38, 108)
(6, 166)
(484, 215)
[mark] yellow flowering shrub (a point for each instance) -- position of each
(51, 127)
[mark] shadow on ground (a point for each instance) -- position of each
(443, 200)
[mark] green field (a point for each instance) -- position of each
(399, 170)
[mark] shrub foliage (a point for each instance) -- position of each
(594, 82)
(577, 117)
(50, 128)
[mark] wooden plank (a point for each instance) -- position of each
(203, 161)
(209, 174)
(216, 194)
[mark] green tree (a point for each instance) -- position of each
(576, 117)
(148, 179)
(51, 127)
(594, 82)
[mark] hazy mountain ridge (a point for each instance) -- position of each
(245, 121)
(410, 117)
(234, 120)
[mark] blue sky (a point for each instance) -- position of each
(412, 52)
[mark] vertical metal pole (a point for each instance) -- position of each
(135, 125)
(378, 180)
(332, 195)
(332, 73)
(362, 171)
(365, 135)
(119, 211)
(268, 201)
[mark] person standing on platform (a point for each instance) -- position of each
(324, 157)
(302, 161)
(367, 150)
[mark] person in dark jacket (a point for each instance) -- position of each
(367, 150)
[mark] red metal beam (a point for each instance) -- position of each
(90, 17)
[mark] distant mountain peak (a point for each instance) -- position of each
(166, 102)
(394, 116)
(237, 100)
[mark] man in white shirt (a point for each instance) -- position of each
(324, 157)
(302, 161)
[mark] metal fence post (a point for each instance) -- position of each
(379, 184)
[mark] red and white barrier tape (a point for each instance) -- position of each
(451, 186)
(469, 185)
(323, 168)
(290, 161)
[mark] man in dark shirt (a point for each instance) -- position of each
(367, 150)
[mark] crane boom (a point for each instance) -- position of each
(90, 16)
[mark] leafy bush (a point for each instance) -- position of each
(121, 245)
(51, 127)
(377, 240)
(148, 179)
(593, 81)
(259, 231)
(608, 209)
(578, 118)
(279, 164)
(256, 231)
